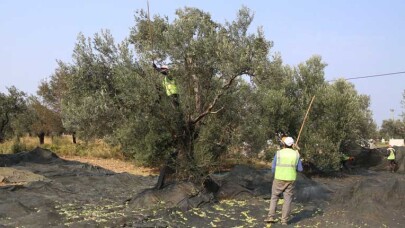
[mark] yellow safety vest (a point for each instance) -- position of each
(170, 86)
(286, 164)
(392, 154)
(345, 157)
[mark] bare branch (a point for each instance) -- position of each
(209, 108)
(215, 112)
(225, 87)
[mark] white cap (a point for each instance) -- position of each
(288, 141)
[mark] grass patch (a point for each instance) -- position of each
(381, 144)
(63, 146)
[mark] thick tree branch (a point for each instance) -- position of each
(209, 108)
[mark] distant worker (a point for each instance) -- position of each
(285, 165)
(391, 158)
(169, 84)
(346, 162)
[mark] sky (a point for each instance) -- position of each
(355, 38)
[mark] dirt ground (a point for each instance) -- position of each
(42, 190)
(115, 165)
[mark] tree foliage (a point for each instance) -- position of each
(12, 105)
(338, 114)
(44, 121)
(392, 129)
(53, 90)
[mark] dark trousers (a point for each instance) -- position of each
(287, 189)
(392, 165)
(175, 101)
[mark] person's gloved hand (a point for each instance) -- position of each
(296, 147)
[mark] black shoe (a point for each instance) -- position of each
(270, 220)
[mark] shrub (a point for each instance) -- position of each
(17, 146)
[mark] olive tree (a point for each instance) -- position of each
(113, 92)
(43, 120)
(338, 113)
(12, 105)
(208, 60)
(392, 129)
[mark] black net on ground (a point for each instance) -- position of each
(40, 189)
(376, 159)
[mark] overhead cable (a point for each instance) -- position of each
(370, 76)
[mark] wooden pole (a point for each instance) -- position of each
(305, 118)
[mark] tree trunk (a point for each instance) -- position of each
(183, 157)
(3, 126)
(197, 94)
(41, 137)
(74, 137)
(167, 169)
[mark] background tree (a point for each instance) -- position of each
(392, 129)
(338, 114)
(12, 104)
(52, 92)
(403, 106)
(44, 121)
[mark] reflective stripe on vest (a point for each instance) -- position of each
(392, 154)
(170, 86)
(286, 164)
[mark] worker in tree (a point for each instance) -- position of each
(171, 91)
(169, 84)
(285, 165)
(391, 158)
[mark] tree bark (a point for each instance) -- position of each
(74, 137)
(3, 128)
(41, 137)
(167, 169)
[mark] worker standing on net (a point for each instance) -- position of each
(346, 162)
(391, 158)
(285, 165)
(169, 84)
